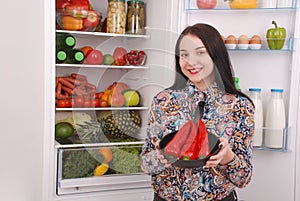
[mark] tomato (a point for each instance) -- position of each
(61, 103)
(87, 103)
(103, 103)
(68, 102)
(207, 4)
(96, 103)
(79, 101)
(100, 94)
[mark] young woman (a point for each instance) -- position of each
(203, 73)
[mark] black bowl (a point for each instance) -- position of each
(213, 144)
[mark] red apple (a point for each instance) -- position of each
(95, 57)
(91, 21)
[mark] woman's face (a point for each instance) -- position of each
(195, 62)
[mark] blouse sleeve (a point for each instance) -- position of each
(239, 170)
(150, 151)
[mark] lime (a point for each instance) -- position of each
(63, 130)
(108, 59)
(132, 98)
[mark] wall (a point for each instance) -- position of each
(22, 99)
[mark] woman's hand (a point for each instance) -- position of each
(160, 156)
(223, 157)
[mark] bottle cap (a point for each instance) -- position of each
(61, 55)
(255, 89)
(276, 90)
(79, 56)
(70, 41)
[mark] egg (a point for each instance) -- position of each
(243, 39)
(255, 39)
(230, 39)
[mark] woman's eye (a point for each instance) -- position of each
(201, 52)
(183, 55)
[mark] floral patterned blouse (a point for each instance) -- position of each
(225, 115)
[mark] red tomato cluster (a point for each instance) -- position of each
(82, 101)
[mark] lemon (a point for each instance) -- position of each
(132, 98)
(63, 130)
(101, 169)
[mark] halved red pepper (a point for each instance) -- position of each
(203, 143)
(189, 150)
(173, 148)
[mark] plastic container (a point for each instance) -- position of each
(116, 17)
(78, 20)
(269, 3)
(275, 121)
(255, 95)
(135, 21)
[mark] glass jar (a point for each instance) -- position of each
(116, 17)
(135, 22)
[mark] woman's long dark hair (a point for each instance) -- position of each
(216, 49)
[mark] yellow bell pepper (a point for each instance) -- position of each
(242, 3)
(101, 169)
(72, 23)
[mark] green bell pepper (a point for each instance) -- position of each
(276, 37)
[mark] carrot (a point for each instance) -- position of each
(68, 90)
(66, 83)
(59, 96)
(73, 80)
(58, 88)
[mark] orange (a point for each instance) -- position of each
(86, 50)
(106, 153)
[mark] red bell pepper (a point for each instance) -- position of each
(203, 143)
(61, 4)
(189, 150)
(173, 148)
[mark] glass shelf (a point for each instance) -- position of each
(101, 66)
(102, 34)
(190, 5)
(101, 108)
(285, 141)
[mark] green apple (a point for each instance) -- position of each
(132, 97)
(108, 59)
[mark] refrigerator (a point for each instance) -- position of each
(275, 175)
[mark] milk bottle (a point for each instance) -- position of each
(255, 96)
(275, 120)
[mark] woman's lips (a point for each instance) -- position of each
(194, 71)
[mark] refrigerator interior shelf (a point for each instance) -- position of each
(102, 108)
(93, 145)
(82, 33)
(285, 140)
(101, 66)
